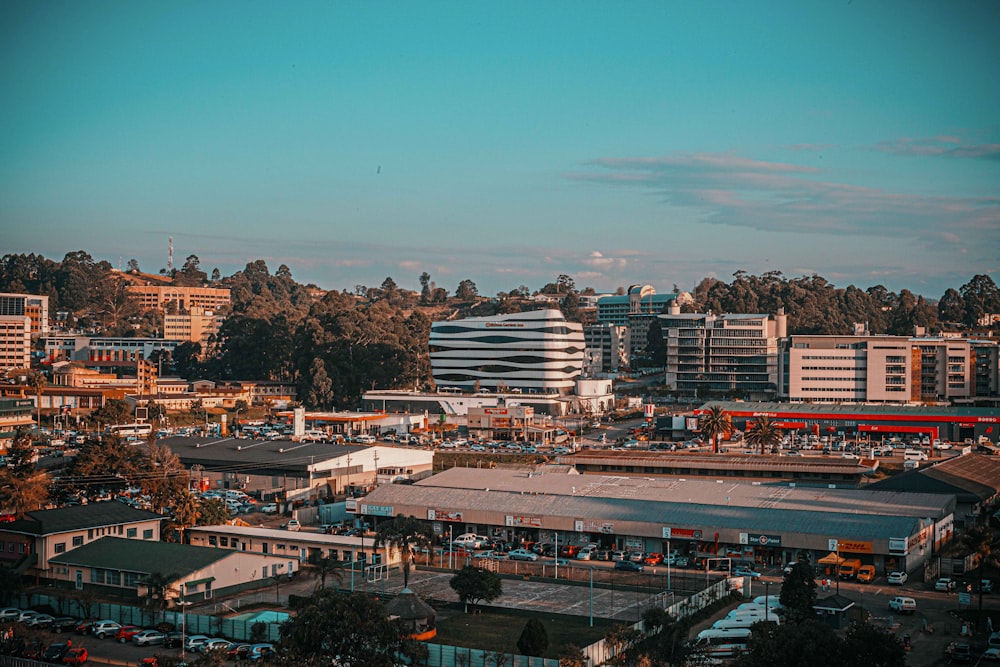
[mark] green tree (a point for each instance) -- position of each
(25, 492)
(763, 435)
(114, 411)
(619, 639)
(473, 584)
(656, 346)
(324, 567)
(981, 296)
(353, 627)
(108, 457)
(534, 640)
(157, 594)
(212, 512)
(951, 306)
(982, 542)
(866, 645)
(571, 655)
(404, 534)
(798, 592)
(807, 643)
(714, 424)
(466, 291)
(320, 393)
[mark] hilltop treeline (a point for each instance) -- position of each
(336, 345)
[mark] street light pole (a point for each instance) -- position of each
(182, 604)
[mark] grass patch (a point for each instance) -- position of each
(499, 629)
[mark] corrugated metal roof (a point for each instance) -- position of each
(560, 481)
(745, 462)
(774, 520)
(79, 517)
(881, 411)
(141, 556)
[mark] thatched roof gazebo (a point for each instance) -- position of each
(416, 615)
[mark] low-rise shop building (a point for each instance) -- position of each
(768, 524)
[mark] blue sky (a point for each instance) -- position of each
(508, 143)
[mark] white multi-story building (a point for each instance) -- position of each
(21, 317)
(607, 348)
(732, 354)
(537, 352)
(887, 369)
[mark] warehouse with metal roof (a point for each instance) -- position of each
(770, 524)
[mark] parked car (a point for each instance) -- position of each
(127, 632)
(682, 561)
(215, 645)
(27, 614)
(39, 620)
(195, 641)
(292, 524)
(75, 656)
(102, 629)
(654, 558)
(628, 566)
(569, 550)
(522, 554)
(173, 640)
(9, 614)
(961, 654)
(55, 652)
(85, 626)
(260, 652)
(944, 584)
(745, 571)
(637, 556)
(269, 508)
(237, 651)
(898, 578)
(148, 638)
(62, 624)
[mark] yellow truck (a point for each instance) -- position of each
(866, 574)
(849, 568)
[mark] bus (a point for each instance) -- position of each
(131, 430)
(722, 643)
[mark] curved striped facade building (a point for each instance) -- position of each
(537, 351)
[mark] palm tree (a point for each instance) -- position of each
(714, 424)
(406, 534)
(763, 434)
(325, 566)
(982, 543)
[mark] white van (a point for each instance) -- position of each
(722, 643)
(471, 541)
(365, 439)
(772, 601)
(735, 623)
(914, 455)
(754, 614)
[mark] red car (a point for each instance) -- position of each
(75, 656)
(127, 632)
(653, 558)
(569, 550)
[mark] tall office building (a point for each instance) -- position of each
(21, 317)
(734, 354)
(536, 352)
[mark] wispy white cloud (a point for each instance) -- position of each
(940, 146)
(783, 197)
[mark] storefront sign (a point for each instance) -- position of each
(681, 533)
(523, 521)
(897, 546)
(760, 540)
(495, 411)
(850, 546)
(377, 510)
(443, 515)
(605, 528)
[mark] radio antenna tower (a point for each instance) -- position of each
(170, 256)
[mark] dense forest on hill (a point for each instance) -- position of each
(336, 345)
